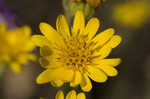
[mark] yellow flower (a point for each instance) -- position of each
(78, 56)
(16, 47)
(131, 14)
(71, 95)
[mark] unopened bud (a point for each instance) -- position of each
(94, 3)
(77, 0)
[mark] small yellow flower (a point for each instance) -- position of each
(16, 47)
(131, 14)
(78, 56)
(71, 95)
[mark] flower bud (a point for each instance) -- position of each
(94, 3)
(77, 0)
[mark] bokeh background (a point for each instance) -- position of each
(133, 81)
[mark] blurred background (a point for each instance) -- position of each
(131, 20)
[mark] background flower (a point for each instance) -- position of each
(16, 47)
(131, 14)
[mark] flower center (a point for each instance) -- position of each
(76, 53)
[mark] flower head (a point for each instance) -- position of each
(71, 95)
(131, 14)
(75, 57)
(16, 46)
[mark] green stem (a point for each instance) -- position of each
(68, 15)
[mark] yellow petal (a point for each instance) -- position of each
(49, 32)
(31, 57)
(103, 52)
(27, 31)
(115, 41)
(81, 96)
(40, 40)
(103, 37)
(77, 79)
(79, 23)
(29, 46)
(44, 62)
(45, 51)
(109, 70)
(16, 67)
(3, 28)
(92, 27)
(57, 83)
(86, 83)
(44, 77)
(62, 26)
(96, 74)
(55, 74)
(49, 61)
(71, 95)
(111, 62)
(25, 58)
(59, 95)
